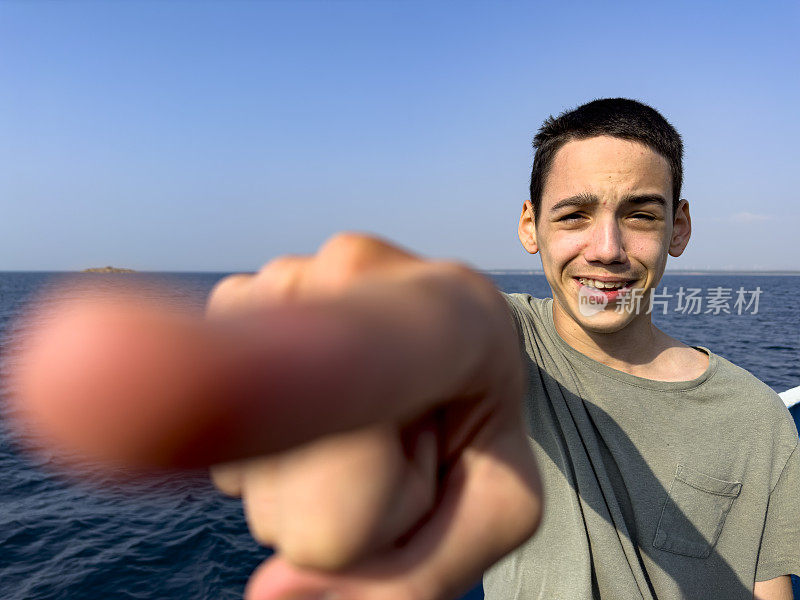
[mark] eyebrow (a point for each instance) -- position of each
(645, 199)
(578, 201)
(586, 199)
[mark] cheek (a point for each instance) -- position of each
(563, 246)
(649, 251)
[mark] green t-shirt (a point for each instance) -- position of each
(653, 489)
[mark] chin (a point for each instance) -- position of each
(607, 321)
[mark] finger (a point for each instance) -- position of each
(230, 295)
(373, 493)
(491, 504)
(260, 489)
(280, 279)
(396, 485)
(346, 257)
(228, 477)
(128, 382)
(240, 293)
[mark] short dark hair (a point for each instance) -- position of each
(615, 117)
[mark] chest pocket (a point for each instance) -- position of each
(694, 513)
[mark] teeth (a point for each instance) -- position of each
(602, 285)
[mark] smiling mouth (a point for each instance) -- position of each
(605, 286)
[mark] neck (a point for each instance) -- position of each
(637, 344)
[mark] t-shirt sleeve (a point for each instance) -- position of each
(780, 542)
(516, 314)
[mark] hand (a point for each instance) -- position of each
(366, 404)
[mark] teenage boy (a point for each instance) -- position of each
(366, 404)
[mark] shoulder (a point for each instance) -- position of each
(530, 314)
(525, 300)
(752, 400)
(746, 386)
(526, 307)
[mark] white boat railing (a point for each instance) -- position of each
(791, 397)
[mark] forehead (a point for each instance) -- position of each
(608, 167)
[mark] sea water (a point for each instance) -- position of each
(179, 539)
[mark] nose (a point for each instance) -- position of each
(605, 243)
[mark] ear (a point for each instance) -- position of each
(527, 228)
(681, 229)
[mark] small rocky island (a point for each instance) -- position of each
(108, 269)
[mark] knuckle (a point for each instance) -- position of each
(230, 283)
(279, 277)
(344, 258)
(321, 536)
(349, 242)
(260, 520)
(481, 289)
(227, 292)
(227, 478)
(279, 264)
(260, 533)
(347, 256)
(458, 270)
(359, 249)
(321, 551)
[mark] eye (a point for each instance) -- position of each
(643, 216)
(570, 217)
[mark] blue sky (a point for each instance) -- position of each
(215, 135)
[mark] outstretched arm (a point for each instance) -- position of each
(365, 404)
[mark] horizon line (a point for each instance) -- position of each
(494, 271)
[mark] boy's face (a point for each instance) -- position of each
(605, 229)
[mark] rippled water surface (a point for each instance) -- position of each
(166, 538)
